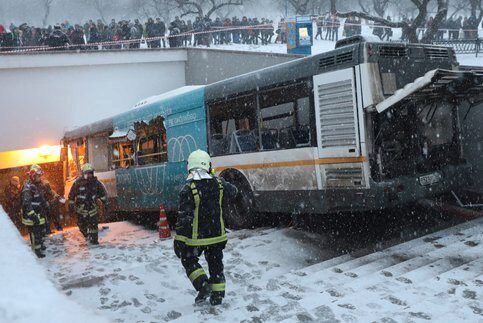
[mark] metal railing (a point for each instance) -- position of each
(462, 46)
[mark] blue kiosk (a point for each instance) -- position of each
(299, 35)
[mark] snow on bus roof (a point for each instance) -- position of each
(167, 95)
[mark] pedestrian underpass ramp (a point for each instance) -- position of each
(26, 294)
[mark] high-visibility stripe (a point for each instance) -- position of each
(320, 161)
(27, 222)
(31, 222)
(197, 273)
(31, 213)
(180, 238)
(196, 197)
(206, 241)
(200, 242)
(219, 287)
(222, 223)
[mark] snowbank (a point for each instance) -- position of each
(27, 295)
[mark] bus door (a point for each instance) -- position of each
(340, 161)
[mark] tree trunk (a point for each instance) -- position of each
(333, 6)
(47, 4)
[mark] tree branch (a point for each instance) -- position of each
(364, 10)
(223, 4)
(377, 19)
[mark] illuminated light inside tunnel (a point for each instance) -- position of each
(23, 157)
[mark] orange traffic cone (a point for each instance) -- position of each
(164, 231)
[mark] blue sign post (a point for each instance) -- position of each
(299, 35)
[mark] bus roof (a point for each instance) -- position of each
(107, 124)
(348, 54)
(286, 72)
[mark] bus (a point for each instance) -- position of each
(367, 126)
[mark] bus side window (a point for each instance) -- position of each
(151, 143)
(285, 116)
(234, 125)
(122, 154)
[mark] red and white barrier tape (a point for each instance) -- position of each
(132, 41)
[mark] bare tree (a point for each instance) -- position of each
(476, 5)
(203, 8)
(378, 6)
(102, 7)
(456, 7)
(47, 4)
(409, 27)
(160, 8)
(300, 7)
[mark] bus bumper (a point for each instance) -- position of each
(380, 195)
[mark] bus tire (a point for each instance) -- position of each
(240, 213)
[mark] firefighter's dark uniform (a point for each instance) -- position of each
(200, 228)
(53, 213)
(83, 198)
(34, 207)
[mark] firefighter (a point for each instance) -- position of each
(83, 200)
(200, 227)
(53, 202)
(34, 208)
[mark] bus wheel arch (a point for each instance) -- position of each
(240, 213)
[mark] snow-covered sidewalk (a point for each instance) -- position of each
(26, 294)
(276, 275)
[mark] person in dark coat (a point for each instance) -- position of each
(160, 31)
(13, 203)
(77, 37)
(58, 39)
(151, 32)
(200, 227)
(53, 201)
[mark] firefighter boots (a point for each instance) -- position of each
(203, 293)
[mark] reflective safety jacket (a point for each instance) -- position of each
(34, 204)
(200, 211)
(84, 194)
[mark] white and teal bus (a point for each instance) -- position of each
(365, 126)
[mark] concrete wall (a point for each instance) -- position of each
(209, 66)
(42, 94)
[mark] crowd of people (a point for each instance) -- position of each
(154, 33)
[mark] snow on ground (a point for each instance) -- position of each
(322, 46)
(132, 276)
(26, 294)
(275, 275)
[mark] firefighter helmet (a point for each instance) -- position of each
(199, 159)
(86, 168)
(35, 170)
